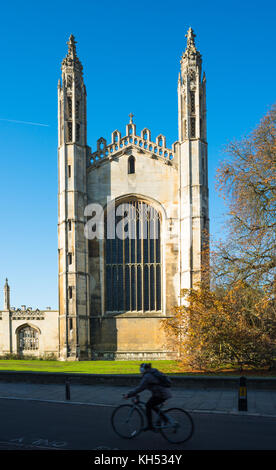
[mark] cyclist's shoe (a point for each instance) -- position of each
(148, 428)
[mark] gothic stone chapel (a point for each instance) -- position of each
(115, 289)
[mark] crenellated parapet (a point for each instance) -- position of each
(27, 314)
(143, 144)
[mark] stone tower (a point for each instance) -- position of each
(193, 173)
(73, 261)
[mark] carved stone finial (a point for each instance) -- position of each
(72, 46)
(131, 116)
(72, 60)
(190, 40)
(191, 51)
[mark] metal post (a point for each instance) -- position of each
(67, 389)
(242, 395)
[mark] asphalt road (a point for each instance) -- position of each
(52, 426)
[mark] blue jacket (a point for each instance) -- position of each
(150, 382)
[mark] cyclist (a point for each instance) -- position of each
(159, 392)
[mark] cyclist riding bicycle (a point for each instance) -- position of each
(160, 393)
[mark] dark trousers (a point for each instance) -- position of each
(152, 404)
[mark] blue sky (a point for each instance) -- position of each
(130, 52)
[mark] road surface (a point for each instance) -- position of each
(61, 426)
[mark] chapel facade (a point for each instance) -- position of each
(133, 221)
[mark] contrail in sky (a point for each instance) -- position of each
(25, 122)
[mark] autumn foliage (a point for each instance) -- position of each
(232, 318)
(231, 327)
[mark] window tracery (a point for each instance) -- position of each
(28, 339)
(133, 260)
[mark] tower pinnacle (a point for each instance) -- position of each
(190, 40)
(6, 295)
(191, 50)
(72, 60)
(72, 47)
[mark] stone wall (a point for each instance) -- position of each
(44, 323)
(133, 335)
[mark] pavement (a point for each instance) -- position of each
(207, 400)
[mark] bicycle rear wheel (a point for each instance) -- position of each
(127, 421)
(180, 426)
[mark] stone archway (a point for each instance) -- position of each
(27, 339)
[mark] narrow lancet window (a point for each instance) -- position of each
(69, 131)
(77, 109)
(192, 95)
(193, 128)
(131, 165)
(77, 132)
(69, 102)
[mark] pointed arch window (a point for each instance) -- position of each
(133, 260)
(131, 165)
(28, 339)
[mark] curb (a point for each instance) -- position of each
(205, 382)
(190, 410)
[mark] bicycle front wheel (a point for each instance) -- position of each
(180, 426)
(127, 421)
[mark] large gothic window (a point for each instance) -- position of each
(133, 260)
(28, 339)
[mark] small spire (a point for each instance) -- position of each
(72, 46)
(190, 39)
(191, 50)
(72, 59)
(131, 116)
(6, 296)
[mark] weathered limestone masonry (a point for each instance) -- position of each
(193, 165)
(74, 299)
(25, 331)
(115, 291)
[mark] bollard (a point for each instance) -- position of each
(242, 395)
(67, 389)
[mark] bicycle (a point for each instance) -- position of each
(175, 424)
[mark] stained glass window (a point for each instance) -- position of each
(133, 260)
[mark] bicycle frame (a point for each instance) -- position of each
(141, 405)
